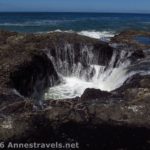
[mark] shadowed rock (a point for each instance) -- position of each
(26, 70)
(93, 94)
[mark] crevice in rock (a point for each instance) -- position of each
(32, 78)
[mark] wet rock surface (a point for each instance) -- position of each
(93, 94)
(119, 119)
(129, 37)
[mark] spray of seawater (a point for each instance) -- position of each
(106, 78)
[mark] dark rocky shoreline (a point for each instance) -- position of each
(98, 120)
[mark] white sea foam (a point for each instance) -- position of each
(74, 86)
(105, 78)
(103, 35)
(71, 87)
(97, 34)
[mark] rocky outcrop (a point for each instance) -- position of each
(73, 54)
(31, 78)
(97, 120)
(136, 88)
(94, 94)
(93, 124)
(26, 60)
(129, 37)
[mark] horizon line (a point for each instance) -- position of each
(73, 12)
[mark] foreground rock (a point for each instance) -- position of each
(95, 94)
(98, 120)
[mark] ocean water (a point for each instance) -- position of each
(96, 25)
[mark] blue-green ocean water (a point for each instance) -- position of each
(98, 22)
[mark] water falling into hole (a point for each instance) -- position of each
(106, 78)
(74, 86)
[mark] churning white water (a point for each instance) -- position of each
(74, 86)
(106, 78)
(71, 87)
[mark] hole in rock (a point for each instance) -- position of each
(106, 71)
(75, 67)
(73, 86)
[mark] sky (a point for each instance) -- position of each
(138, 6)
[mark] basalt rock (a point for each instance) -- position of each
(32, 77)
(122, 122)
(94, 94)
(129, 37)
(69, 52)
(136, 88)
(93, 125)
(29, 61)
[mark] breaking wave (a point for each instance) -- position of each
(103, 35)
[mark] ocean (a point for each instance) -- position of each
(95, 25)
